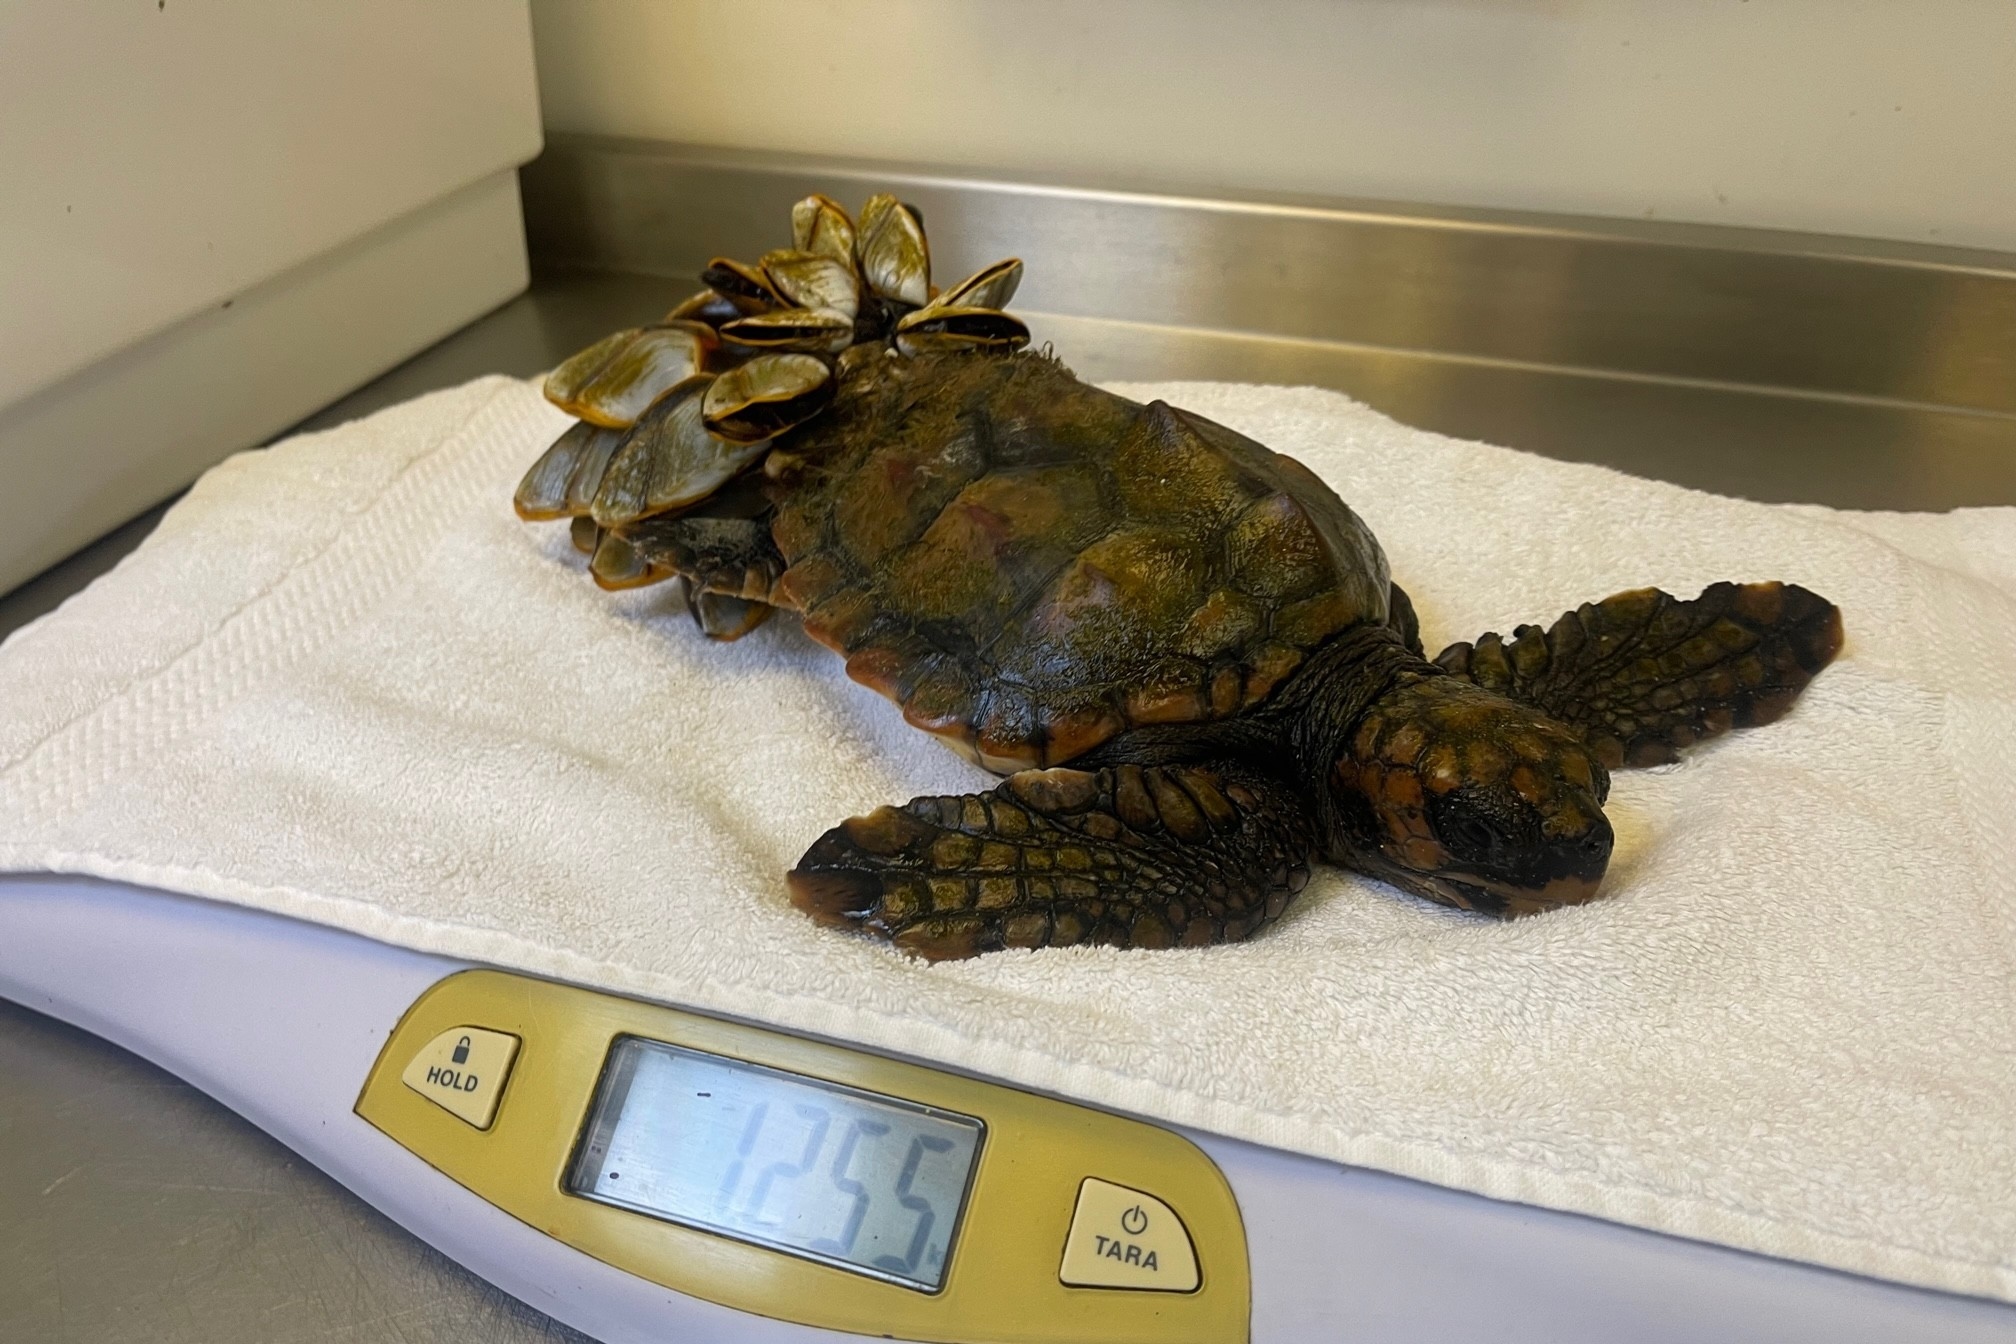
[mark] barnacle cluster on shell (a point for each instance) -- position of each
(670, 413)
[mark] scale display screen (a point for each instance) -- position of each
(869, 1183)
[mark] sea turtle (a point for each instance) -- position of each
(1182, 649)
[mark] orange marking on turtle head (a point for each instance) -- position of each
(1474, 800)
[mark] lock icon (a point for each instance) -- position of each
(461, 1055)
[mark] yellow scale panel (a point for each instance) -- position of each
(1002, 1284)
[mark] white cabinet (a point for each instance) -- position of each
(217, 217)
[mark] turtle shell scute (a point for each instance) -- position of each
(1029, 565)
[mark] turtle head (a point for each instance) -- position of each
(1466, 797)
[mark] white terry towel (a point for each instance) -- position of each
(343, 682)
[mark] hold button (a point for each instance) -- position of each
(1122, 1238)
(463, 1071)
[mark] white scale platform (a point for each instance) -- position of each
(218, 995)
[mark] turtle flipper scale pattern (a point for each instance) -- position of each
(1643, 674)
(1129, 857)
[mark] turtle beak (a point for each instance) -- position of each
(1569, 871)
(1497, 898)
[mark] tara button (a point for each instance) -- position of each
(1124, 1238)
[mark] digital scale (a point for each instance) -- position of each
(646, 1174)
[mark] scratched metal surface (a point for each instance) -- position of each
(135, 1210)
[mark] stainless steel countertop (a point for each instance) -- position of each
(1778, 366)
(132, 1208)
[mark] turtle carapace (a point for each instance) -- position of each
(1183, 650)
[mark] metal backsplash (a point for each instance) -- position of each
(1777, 365)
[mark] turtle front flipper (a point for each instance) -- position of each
(1642, 674)
(1130, 856)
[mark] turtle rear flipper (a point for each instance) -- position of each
(634, 558)
(1130, 857)
(723, 550)
(1642, 674)
(720, 546)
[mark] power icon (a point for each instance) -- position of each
(1126, 1238)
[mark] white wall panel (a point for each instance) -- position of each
(160, 156)
(83, 456)
(1883, 119)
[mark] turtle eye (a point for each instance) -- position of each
(1471, 837)
(1474, 827)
